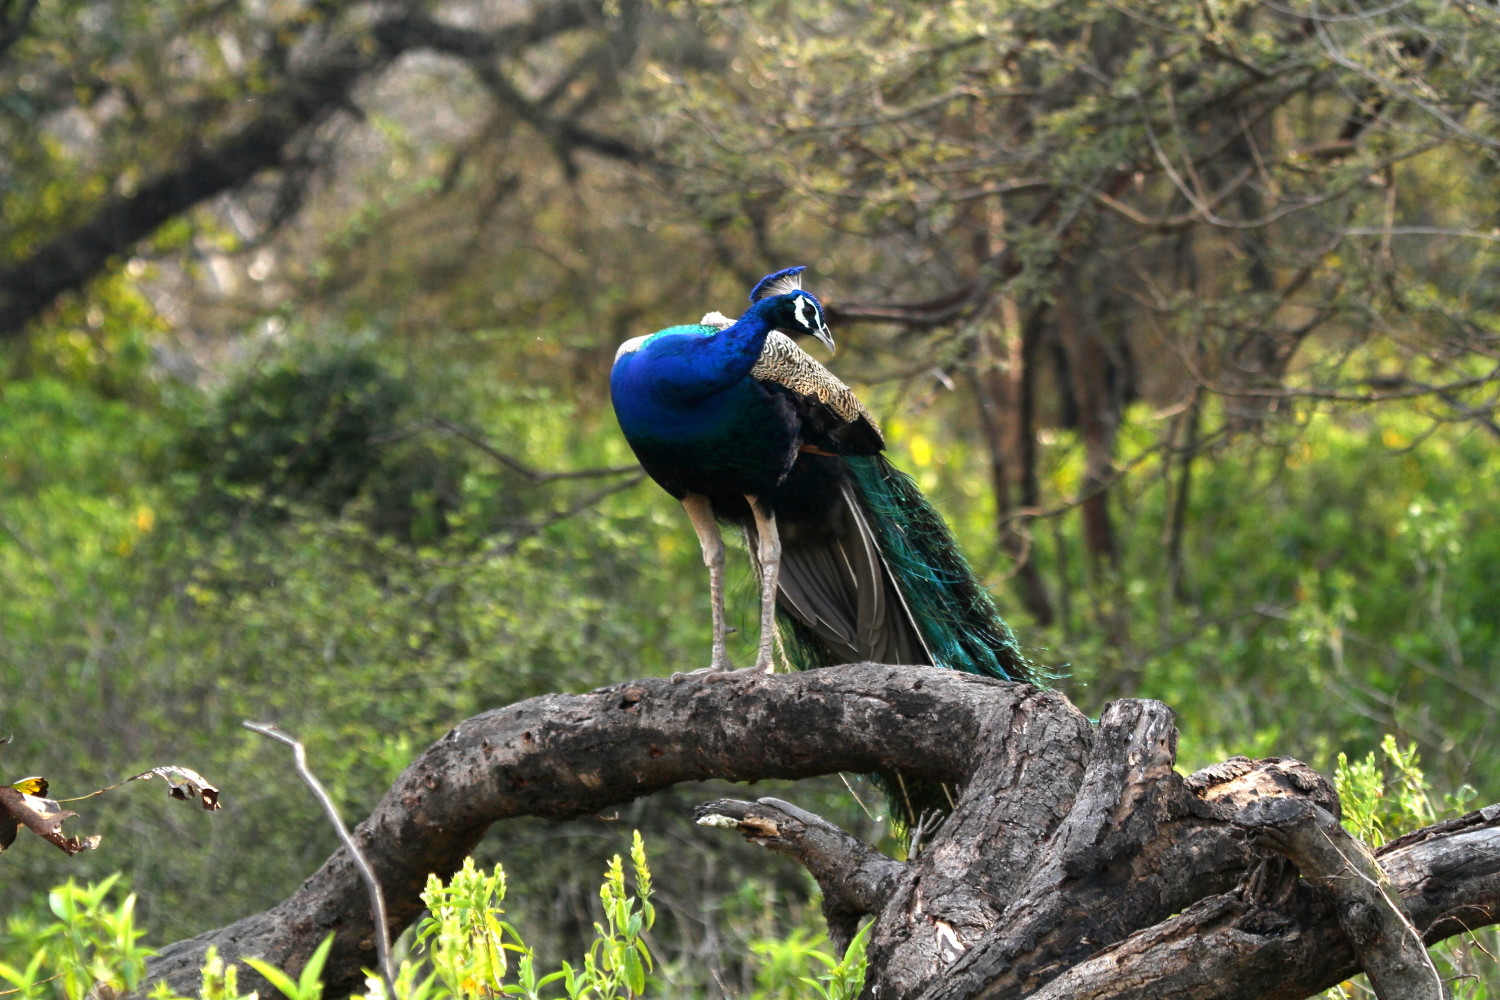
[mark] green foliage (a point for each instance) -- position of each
(81, 941)
(1279, 232)
(303, 429)
(322, 429)
(1321, 606)
(464, 938)
(461, 949)
(797, 966)
(1376, 803)
(1390, 794)
(617, 965)
(135, 634)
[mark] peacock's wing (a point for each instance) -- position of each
(837, 589)
(834, 583)
(833, 418)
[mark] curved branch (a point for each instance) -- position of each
(1076, 863)
(566, 756)
(856, 880)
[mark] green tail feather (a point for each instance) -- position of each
(957, 617)
(953, 610)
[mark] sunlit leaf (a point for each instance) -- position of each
(31, 786)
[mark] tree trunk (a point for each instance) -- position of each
(1005, 397)
(1076, 863)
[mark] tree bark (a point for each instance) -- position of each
(1076, 862)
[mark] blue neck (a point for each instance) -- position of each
(734, 350)
(690, 362)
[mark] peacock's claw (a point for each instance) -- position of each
(712, 674)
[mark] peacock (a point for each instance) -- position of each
(745, 428)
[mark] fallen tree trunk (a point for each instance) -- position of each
(1076, 863)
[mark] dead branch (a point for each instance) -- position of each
(1076, 863)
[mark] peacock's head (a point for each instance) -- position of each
(788, 307)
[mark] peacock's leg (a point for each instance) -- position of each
(701, 513)
(768, 557)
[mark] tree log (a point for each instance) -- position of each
(1076, 862)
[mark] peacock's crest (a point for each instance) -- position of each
(788, 279)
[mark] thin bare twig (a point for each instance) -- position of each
(521, 468)
(377, 898)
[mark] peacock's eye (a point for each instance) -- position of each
(806, 313)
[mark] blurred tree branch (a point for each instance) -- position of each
(285, 113)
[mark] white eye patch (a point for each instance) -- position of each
(807, 323)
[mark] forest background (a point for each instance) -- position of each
(1186, 314)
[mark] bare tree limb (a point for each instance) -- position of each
(1368, 907)
(856, 879)
(1076, 863)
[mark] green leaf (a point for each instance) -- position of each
(276, 978)
(635, 975)
(310, 983)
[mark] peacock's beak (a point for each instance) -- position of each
(827, 338)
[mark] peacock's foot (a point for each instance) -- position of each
(711, 675)
(683, 675)
(718, 664)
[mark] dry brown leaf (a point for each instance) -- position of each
(183, 783)
(42, 816)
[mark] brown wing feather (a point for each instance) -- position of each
(834, 416)
(836, 583)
